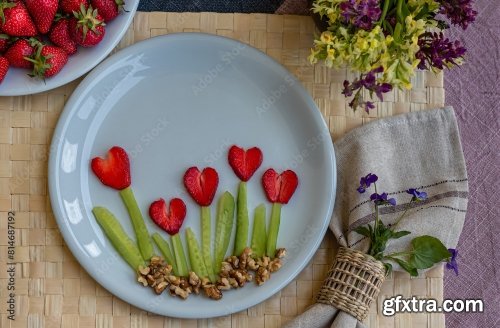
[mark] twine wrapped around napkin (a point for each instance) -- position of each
(416, 150)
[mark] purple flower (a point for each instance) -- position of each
(438, 51)
(417, 195)
(361, 13)
(452, 262)
(368, 82)
(381, 199)
(460, 12)
(366, 181)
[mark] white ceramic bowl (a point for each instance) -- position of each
(18, 83)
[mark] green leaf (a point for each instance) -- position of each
(399, 234)
(427, 251)
(364, 231)
(388, 268)
(408, 267)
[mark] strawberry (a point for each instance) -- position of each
(170, 219)
(87, 27)
(108, 9)
(201, 185)
(4, 42)
(4, 67)
(244, 163)
(19, 51)
(279, 188)
(70, 6)
(15, 19)
(43, 13)
(114, 171)
(60, 36)
(48, 61)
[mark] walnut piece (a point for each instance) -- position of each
(280, 253)
(212, 292)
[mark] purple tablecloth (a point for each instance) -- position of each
(474, 91)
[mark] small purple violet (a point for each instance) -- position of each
(366, 181)
(417, 195)
(381, 199)
(452, 263)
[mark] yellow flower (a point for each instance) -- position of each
(326, 37)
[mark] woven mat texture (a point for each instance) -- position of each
(52, 290)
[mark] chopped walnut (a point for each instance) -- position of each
(234, 261)
(252, 264)
(264, 261)
(233, 283)
(262, 276)
(184, 284)
(212, 292)
(174, 280)
(245, 255)
(239, 276)
(144, 270)
(194, 280)
(274, 265)
(226, 267)
(223, 284)
(143, 281)
(280, 253)
(161, 287)
(179, 291)
(155, 260)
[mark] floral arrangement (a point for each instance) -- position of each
(425, 250)
(385, 41)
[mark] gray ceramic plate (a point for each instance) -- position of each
(177, 101)
(17, 82)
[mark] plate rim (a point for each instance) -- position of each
(43, 87)
(56, 147)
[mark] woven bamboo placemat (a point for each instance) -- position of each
(53, 291)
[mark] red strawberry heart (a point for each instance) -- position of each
(279, 188)
(170, 219)
(201, 185)
(244, 163)
(114, 171)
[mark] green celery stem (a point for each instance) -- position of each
(206, 232)
(274, 226)
(141, 231)
(180, 256)
(242, 223)
(165, 250)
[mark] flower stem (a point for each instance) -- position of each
(384, 11)
(399, 11)
(398, 254)
(401, 216)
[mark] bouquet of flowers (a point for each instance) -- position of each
(385, 41)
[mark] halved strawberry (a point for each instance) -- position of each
(244, 163)
(170, 219)
(279, 188)
(114, 171)
(201, 185)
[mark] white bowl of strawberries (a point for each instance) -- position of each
(45, 44)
